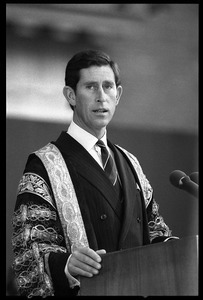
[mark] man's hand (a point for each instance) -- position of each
(85, 262)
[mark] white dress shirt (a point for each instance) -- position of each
(88, 141)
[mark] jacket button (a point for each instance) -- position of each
(138, 220)
(103, 217)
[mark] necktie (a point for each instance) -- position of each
(108, 162)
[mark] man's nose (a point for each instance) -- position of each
(101, 96)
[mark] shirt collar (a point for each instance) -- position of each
(86, 139)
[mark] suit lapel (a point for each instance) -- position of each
(128, 186)
(87, 167)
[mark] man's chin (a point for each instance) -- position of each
(99, 125)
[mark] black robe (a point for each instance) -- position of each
(112, 222)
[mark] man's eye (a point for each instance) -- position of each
(108, 86)
(90, 87)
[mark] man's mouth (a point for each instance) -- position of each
(100, 110)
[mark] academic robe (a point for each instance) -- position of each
(112, 221)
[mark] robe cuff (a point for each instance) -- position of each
(72, 280)
(171, 238)
(57, 262)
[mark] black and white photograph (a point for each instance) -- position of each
(102, 161)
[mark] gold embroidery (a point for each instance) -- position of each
(34, 280)
(157, 226)
(31, 242)
(33, 213)
(35, 184)
(65, 196)
(38, 232)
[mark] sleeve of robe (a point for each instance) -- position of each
(40, 253)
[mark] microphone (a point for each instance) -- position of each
(195, 177)
(180, 180)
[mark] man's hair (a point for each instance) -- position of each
(86, 59)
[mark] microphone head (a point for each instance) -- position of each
(194, 177)
(175, 178)
(180, 180)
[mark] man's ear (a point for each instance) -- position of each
(69, 94)
(119, 93)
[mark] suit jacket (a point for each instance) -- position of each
(105, 226)
(111, 222)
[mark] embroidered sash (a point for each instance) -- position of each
(65, 196)
(145, 185)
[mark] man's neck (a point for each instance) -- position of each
(97, 133)
(86, 139)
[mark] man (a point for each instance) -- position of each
(81, 196)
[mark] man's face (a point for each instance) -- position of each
(96, 98)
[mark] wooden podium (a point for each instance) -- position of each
(167, 268)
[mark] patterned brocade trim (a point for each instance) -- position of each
(45, 290)
(32, 213)
(36, 233)
(23, 260)
(33, 279)
(35, 184)
(157, 226)
(65, 196)
(146, 187)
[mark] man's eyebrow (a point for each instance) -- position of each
(95, 82)
(109, 81)
(90, 82)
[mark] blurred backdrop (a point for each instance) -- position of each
(156, 47)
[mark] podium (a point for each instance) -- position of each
(167, 268)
